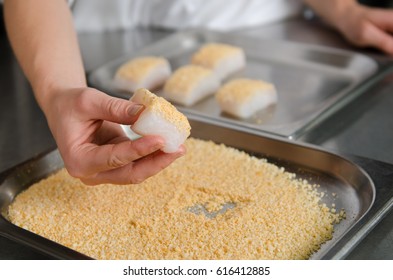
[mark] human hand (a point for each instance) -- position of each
(361, 25)
(83, 121)
(368, 27)
(85, 124)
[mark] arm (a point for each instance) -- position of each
(363, 26)
(83, 121)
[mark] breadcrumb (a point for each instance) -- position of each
(274, 214)
(137, 68)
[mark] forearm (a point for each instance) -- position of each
(44, 41)
(84, 121)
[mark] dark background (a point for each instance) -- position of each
(2, 29)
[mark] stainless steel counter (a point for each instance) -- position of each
(365, 127)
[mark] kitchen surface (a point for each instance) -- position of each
(364, 127)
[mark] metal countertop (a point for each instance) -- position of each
(364, 127)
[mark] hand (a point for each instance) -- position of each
(361, 25)
(85, 124)
(368, 27)
(84, 121)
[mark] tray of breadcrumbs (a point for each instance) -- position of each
(236, 194)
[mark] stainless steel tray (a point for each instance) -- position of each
(312, 81)
(363, 187)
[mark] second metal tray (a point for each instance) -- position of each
(312, 81)
(363, 187)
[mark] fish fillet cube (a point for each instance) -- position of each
(244, 97)
(160, 118)
(223, 59)
(142, 72)
(190, 84)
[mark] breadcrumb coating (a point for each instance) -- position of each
(136, 69)
(185, 79)
(275, 215)
(211, 54)
(161, 106)
(241, 90)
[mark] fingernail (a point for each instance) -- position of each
(135, 109)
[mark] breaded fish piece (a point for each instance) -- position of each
(223, 59)
(244, 97)
(160, 118)
(142, 72)
(190, 84)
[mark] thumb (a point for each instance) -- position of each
(115, 109)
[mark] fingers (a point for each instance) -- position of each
(383, 18)
(377, 32)
(368, 27)
(93, 145)
(110, 133)
(375, 37)
(384, 21)
(137, 171)
(381, 40)
(90, 159)
(154, 163)
(104, 107)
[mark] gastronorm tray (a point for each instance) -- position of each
(312, 82)
(363, 187)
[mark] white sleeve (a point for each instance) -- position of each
(219, 14)
(98, 15)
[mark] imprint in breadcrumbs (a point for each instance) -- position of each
(274, 215)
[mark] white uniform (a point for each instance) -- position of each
(100, 15)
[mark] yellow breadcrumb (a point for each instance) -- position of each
(184, 79)
(136, 69)
(275, 215)
(241, 90)
(210, 54)
(162, 107)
